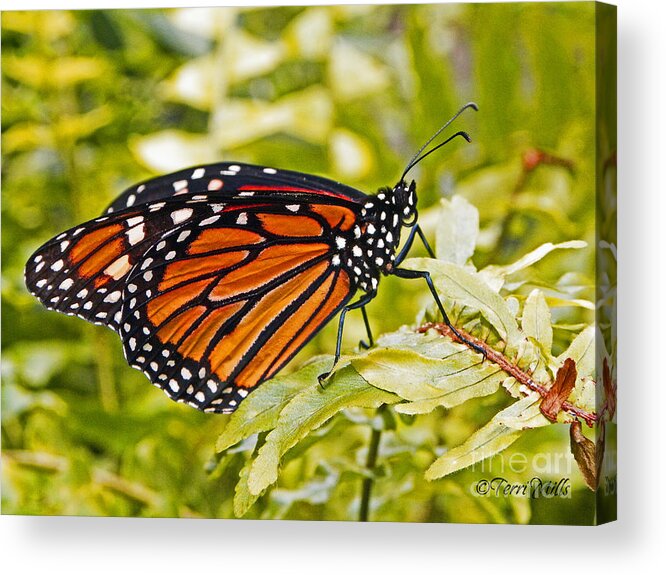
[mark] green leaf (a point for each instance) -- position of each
(261, 409)
(458, 376)
(581, 351)
(243, 499)
(495, 275)
(537, 321)
(307, 411)
(498, 434)
(468, 289)
(457, 232)
(584, 394)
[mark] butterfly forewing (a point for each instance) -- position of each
(223, 303)
(231, 179)
(83, 270)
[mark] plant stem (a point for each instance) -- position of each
(370, 463)
(510, 368)
(104, 367)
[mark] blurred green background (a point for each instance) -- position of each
(95, 101)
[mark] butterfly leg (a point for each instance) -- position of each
(415, 274)
(361, 303)
(416, 230)
(362, 344)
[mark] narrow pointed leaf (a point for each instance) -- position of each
(449, 381)
(533, 257)
(537, 321)
(307, 411)
(261, 409)
(581, 351)
(243, 499)
(468, 289)
(498, 434)
(457, 231)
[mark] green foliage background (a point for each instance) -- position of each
(95, 101)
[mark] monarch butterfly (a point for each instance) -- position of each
(214, 277)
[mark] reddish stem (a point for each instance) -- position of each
(510, 368)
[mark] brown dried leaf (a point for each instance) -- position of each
(601, 448)
(584, 453)
(560, 390)
(610, 390)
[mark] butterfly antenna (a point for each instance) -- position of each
(418, 157)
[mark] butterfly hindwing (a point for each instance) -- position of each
(223, 303)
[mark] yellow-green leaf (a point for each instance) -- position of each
(537, 321)
(457, 231)
(500, 432)
(582, 351)
(261, 409)
(468, 289)
(307, 411)
(449, 381)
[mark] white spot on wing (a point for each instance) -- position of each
(118, 268)
(136, 234)
(181, 215)
(209, 221)
(113, 297)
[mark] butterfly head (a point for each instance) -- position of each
(404, 199)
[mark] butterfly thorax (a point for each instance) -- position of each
(369, 250)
